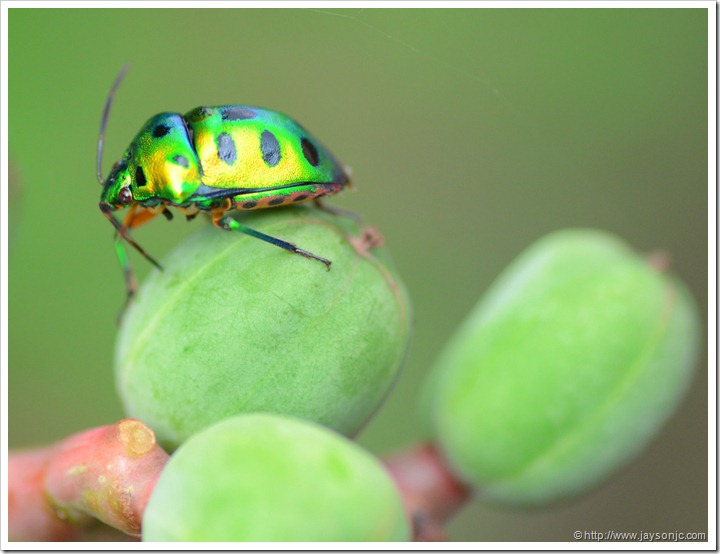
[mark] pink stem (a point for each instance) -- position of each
(107, 473)
(430, 491)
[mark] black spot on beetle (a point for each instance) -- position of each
(270, 148)
(310, 152)
(161, 130)
(226, 148)
(276, 201)
(140, 177)
(249, 205)
(181, 160)
(236, 113)
(302, 197)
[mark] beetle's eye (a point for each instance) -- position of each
(125, 196)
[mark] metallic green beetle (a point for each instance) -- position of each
(213, 160)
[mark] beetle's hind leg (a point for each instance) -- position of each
(339, 212)
(229, 224)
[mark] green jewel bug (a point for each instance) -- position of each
(213, 160)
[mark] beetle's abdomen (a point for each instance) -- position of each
(249, 147)
(284, 197)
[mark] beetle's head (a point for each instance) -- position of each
(116, 192)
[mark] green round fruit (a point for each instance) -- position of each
(265, 477)
(564, 371)
(234, 324)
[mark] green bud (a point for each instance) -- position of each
(264, 477)
(564, 371)
(234, 324)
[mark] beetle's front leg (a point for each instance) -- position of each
(128, 274)
(133, 218)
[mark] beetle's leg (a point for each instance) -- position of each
(129, 275)
(338, 211)
(122, 229)
(133, 218)
(229, 224)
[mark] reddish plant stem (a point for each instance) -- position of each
(30, 516)
(106, 473)
(430, 491)
(659, 260)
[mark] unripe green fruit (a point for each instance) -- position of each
(564, 371)
(234, 324)
(264, 477)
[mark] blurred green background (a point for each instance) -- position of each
(470, 133)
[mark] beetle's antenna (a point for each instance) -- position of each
(105, 117)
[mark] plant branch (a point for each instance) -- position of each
(430, 491)
(106, 473)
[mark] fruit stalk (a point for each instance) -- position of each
(430, 491)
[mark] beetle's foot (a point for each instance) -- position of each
(312, 256)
